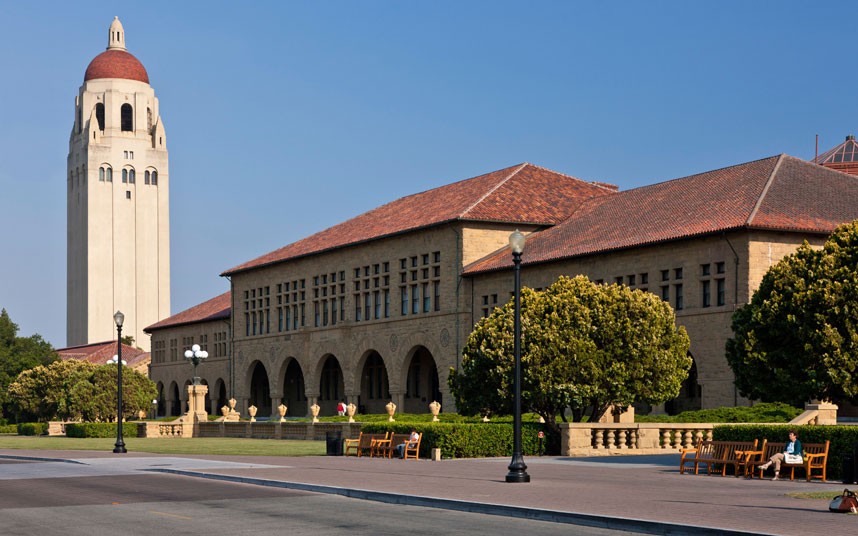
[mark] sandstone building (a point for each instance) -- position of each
(378, 307)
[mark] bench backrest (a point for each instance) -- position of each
(366, 439)
(724, 450)
(810, 448)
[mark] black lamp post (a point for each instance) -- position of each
(119, 447)
(517, 468)
(195, 356)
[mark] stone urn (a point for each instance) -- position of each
(350, 411)
(224, 410)
(391, 409)
(252, 411)
(435, 409)
(232, 403)
(314, 410)
(281, 409)
(141, 414)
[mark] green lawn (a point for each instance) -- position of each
(227, 446)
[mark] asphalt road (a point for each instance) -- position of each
(65, 499)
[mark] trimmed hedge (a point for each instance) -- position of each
(765, 412)
(32, 428)
(843, 439)
(100, 429)
(466, 440)
(8, 428)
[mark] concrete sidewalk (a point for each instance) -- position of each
(635, 493)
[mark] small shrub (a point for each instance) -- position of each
(32, 428)
(472, 440)
(761, 413)
(8, 429)
(100, 429)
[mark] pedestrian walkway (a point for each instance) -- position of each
(636, 493)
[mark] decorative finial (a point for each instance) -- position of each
(116, 36)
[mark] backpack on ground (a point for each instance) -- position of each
(845, 503)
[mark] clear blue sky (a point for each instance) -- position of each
(284, 118)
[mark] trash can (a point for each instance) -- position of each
(334, 443)
(848, 468)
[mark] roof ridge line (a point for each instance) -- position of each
(599, 184)
(493, 189)
(765, 191)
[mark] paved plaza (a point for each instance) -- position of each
(635, 493)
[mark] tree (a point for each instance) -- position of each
(584, 347)
(797, 339)
(72, 390)
(18, 354)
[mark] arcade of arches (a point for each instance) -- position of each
(369, 387)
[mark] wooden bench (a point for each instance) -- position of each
(714, 453)
(412, 449)
(815, 460)
(386, 450)
(363, 444)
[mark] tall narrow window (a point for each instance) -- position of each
(124, 175)
(146, 177)
(707, 294)
(720, 288)
(148, 119)
(131, 176)
(155, 178)
(99, 115)
(109, 174)
(127, 118)
(101, 174)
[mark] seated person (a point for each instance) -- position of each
(412, 442)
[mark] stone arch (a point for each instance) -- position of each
(259, 389)
(218, 396)
(421, 380)
(126, 112)
(160, 408)
(175, 400)
(690, 393)
(374, 383)
(294, 389)
(331, 384)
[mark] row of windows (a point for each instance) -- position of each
(129, 175)
(420, 292)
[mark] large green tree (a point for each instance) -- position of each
(72, 390)
(18, 354)
(585, 347)
(797, 339)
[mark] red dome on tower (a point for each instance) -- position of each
(114, 63)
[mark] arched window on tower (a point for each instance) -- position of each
(146, 177)
(125, 175)
(109, 174)
(99, 115)
(154, 178)
(148, 119)
(127, 118)
(79, 120)
(101, 174)
(131, 176)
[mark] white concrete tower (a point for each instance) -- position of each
(118, 201)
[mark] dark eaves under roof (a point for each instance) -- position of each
(218, 308)
(776, 193)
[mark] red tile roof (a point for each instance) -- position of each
(100, 352)
(116, 64)
(780, 192)
(214, 309)
(525, 194)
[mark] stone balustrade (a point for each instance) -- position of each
(594, 439)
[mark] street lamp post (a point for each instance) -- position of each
(119, 447)
(517, 467)
(154, 408)
(195, 356)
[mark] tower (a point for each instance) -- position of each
(118, 201)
